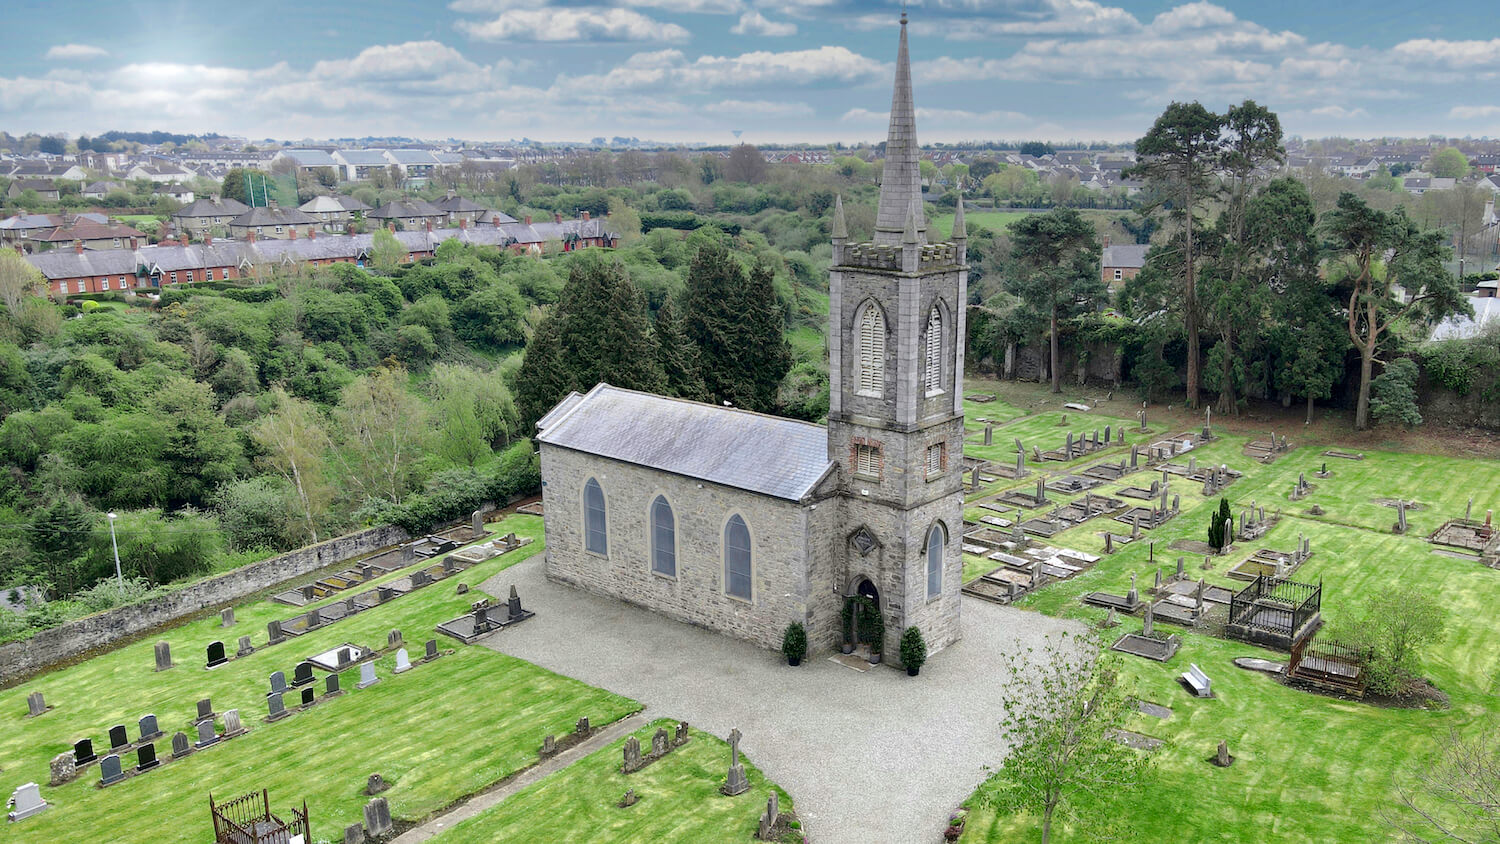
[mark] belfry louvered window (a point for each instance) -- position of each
(871, 381)
(932, 373)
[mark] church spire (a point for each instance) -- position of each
(901, 180)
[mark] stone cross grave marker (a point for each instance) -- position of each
(110, 771)
(83, 752)
(118, 738)
(145, 757)
(206, 734)
(403, 661)
(367, 676)
(26, 801)
(148, 727)
(180, 745)
(735, 783)
(163, 656)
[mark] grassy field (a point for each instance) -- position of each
(678, 800)
(1309, 768)
(995, 221)
(439, 732)
(134, 219)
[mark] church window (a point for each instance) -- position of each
(932, 375)
(936, 539)
(936, 459)
(663, 538)
(867, 460)
(737, 558)
(595, 537)
(871, 381)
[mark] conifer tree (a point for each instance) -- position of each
(678, 355)
(736, 325)
(541, 381)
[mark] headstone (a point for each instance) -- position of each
(1109, 543)
(513, 603)
(350, 607)
(35, 704)
(1135, 526)
(278, 682)
(163, 656)
(432, 651)
(309, 695)
(1467, 509)
(314, 618)
(1109, 618)
(1401, 516)
(118, 738)
(1223, 758)
(232, 725)
(1142, 416)
(344, 658)
(110, 771)
(26, 801)
(1176, 502)
(735, 783)
(632, 755)
(1158, 579)
(377, 817)
(375, 784)
(180, 745)
(1068, 454)
(145, 757)
(245, 647)
(273, 633)
(659, 742)
(205, 710)
(989, 433)
(681, 735)
(367, 676)
(1020, 449)
(1135, 454)
(403, 662)
(420, 578)
(476, 523)
(331, 685)
(83, 752)
(1106, 434)
(1192, 464)
(1036, 454)
(63, 768)
(206, 734)
(549, 745)
(582, 728)
(149, 730)
(354, 834)
(768, 820)
(463, 589)
(1202, 587)
(1148, 626)
(1041, 489)
(393, 639)
(275, 706)
(226, 617)
(302, 674)
(1132, 597)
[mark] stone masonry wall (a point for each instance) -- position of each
(779, 534)
(49, 647)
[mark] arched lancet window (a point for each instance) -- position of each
(737, 558)
(932, 374)
(663, 538)
(595, 534)
(937, 539)
(871, 377)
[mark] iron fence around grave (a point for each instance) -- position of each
(247, 819)
(1329, 664)
(1279, 609)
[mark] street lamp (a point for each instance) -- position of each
(116, 545)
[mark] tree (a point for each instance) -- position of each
(201, 451)
(1036, 148)
(1061, 714)
(678, 355)
(1220, 527)
(744, 164)
(234, 185)
(1375, 255)
(1393, 626)
(1177, 158)
(1449, 163)
(1055, 271)
(1393, 399)
(1452, 796)
(541, 380)
(19, 281)
(476, 412)
(295, 444)
(738, 329)
(381, 430)
(386, 253)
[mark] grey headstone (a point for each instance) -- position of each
(513, 604)
(276, 707)
(344, 658)
(206, 734)
(63, 768)
(375, 784)
(331, 685)
(393, 639)
(145, 757)
(477, 523)
(245, 648)
(1176, 502)
(163, 656)
(549, 745)
(205, 709)
(582, 726)
(232, 725)
(110, 771)
(149, 730)
(659, 742)
(768, 820)
(226, 617)
(1148, 626)
(377, 817)
(35, 704)
(403, 661)
(1223, 758)
(632, 754)
(180, 745)
(26, 801)
(367, 676)
(278, 682)
(1109, 543)
(989, 434)
(309, 696)
(432, 649)
(118, 738)
(1106, 434)
(354, 834)
(273, 632)
(314, 618)
(681, 734)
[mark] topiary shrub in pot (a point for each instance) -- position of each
(913, 650)
(794, 643)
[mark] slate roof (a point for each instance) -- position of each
(411, 156)
(399, 208)
(310, 157)
(351, 204)
(272, 217)
(362, 157)
(322, 205)
(83, 229)
(1486, 314)
(38, 185)
(210, 207)
(459, 205)
(782, 458)
(1125, 255)
(65, 263)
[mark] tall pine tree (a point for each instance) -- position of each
(737, 326)
(678, 355)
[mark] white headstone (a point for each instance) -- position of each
(27, 801)
(403, 661)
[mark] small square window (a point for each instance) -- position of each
(937, 459)
(867, 460)
(1119, 275)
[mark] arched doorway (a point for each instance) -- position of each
(863, 621)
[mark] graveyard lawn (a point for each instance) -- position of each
(440, 732)
(679, 800)
(1308, 767)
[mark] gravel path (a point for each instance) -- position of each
(867, 757)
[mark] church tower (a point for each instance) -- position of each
(895, 420)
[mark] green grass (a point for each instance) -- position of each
(1310, 768)
(440, 732)
(679, 800)
(995, 221)
(133, 219)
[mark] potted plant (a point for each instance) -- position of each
(794, 643)
(877, 637)
(913, 651)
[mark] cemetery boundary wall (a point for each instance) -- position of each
(74, 638)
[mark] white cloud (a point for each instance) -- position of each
(759, 108)
(1454, 54)
(1339, 112)
(582, 24)
(1474, 112)
(754, 23)
(700, 7)
(76, 51)
(671, 70)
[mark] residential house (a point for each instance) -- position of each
(415, 164)
(99, 190)
(358, 164)
(273, 222)
(352, 205)
(44, 188)
(20, 229)
(161, 172)
(412, 214)
(1122, 262)
(87, 234)
(31, 168)
(1486, 162)
(329, 211)
(208, 215)
(462, 208)
(175, 190)
(307, 159)
(226, 160)
(1418, 185)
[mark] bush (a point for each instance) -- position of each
(794, 642)
(454, 494)
(1220, 527)
(1393, 399)
(913, 648)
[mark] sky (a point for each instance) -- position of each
(774, 71)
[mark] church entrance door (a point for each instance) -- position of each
(863, 617)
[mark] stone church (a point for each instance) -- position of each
(742, 522)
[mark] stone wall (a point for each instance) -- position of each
(779, 533)
(102, 630)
